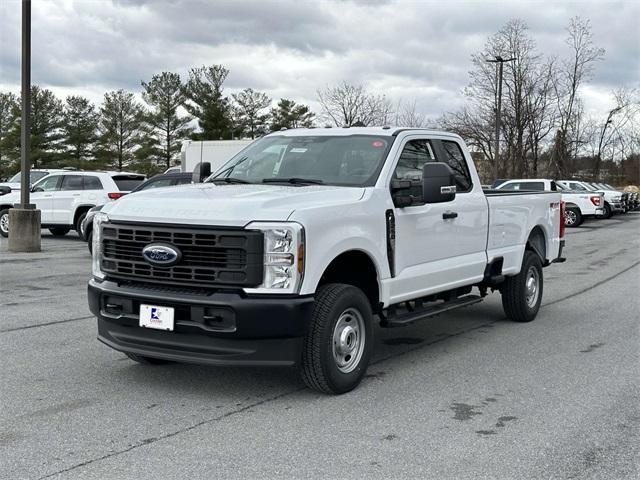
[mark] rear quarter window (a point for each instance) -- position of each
(92, 183)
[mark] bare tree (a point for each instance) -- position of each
(611, 133)
(407, 115)
(351, 105)
(574, 73)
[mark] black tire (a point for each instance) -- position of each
(4, 222)
(90, 241)
(59, 231)
(515, 301)
(146, 360)
(320, 369)
(572, 218)
(607, 211)
(78, 226)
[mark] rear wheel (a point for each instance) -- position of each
(146, 360)
(59, 231)
(522, 293)
(4, 222)
(572, 217)
(79, 224)
(607, 211)
(339, 342)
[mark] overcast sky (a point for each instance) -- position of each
(411, 50)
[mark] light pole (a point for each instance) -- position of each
(24, 219)
(500, 61)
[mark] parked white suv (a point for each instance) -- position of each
(64, 197)
(578, 205)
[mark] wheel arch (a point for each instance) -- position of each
(537, 242)
(79, 211)
(357, 268)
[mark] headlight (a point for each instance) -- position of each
(96, 248)
(283, 257)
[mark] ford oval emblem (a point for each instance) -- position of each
(161, 255)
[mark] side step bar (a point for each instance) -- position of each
(408, 318)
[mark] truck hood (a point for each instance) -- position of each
(230, 205)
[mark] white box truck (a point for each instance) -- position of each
(216, 152)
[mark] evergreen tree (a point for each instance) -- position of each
(46, 132)
(80, 127)
(164, 95)
(251, 107)
(288, 114)
(9, 121)
(206, 102)
(120, 127)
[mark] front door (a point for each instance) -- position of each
(439, 246)
(42, 196)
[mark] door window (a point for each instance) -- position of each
(455, 159)
(71, 182)
(49, 184)
(412, 159)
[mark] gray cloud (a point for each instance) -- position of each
(416, 50)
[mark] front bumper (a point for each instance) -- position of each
(221, 328)
(617, 207)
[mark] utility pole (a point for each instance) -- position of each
(24, 219)
(496, 157)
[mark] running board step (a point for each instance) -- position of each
(409, 317)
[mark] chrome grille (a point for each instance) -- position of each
(210, 256)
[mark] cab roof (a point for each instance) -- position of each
(387, 131)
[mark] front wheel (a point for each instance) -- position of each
(338, 345)
(607, 211)
(4, 222)
(522, 293)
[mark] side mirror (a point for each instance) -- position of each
(400, 193)
(438, 183)
(4, 190)
(201, 171)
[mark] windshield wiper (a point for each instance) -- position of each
(228, 180)
(293, 180)
(229, 169)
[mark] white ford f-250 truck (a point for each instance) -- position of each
(287, 254)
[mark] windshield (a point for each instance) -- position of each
(33, 177)
(354, 160)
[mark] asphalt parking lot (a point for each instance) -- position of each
(465, 395)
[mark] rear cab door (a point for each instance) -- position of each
(442, 245)
(65, 199)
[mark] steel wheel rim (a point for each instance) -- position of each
(348, 340)
(4, 223)
(570, 217)
(532, 287)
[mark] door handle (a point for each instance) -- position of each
(48, 196)
(448, 215)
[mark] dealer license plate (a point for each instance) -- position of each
(160, 318)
